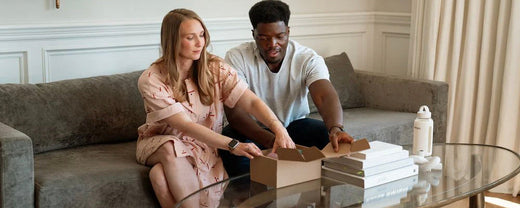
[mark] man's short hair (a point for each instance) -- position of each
(269, 11)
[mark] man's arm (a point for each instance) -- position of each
(326, 100)
(240, 119)
(245, 125)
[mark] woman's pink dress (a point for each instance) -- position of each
(159, 104)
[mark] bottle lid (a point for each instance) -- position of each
(424, 112)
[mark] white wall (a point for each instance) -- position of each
(96, 11)
(404, 6)
(39, 43)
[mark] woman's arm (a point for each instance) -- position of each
(183, 123)
(256, 107)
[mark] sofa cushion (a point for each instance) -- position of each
(69, 113)
(104, 175)
(344, 80)
(374, 124)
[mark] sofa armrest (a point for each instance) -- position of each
(390, 92)
(16, 168)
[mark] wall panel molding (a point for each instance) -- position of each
(215, 25)
(83, 54)
(394, 59)
(388, 18)
(13, 67)
(42, 32)
(360, 34)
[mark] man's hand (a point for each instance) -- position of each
(337, 136)
(283, 140)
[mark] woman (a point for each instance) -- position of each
(184, 92)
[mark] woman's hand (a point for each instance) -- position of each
(249, 150)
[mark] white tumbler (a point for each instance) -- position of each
(423, 133)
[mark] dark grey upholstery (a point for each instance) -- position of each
(72, 144)
(16, 168)
(383, 107)
(104, 175)
(375, 124)
(344, 79)
(74, 112)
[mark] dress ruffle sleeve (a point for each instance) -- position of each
(232, 87)
(157, 97)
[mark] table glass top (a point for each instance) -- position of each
(468, 169)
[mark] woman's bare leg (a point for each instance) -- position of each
(160, 186)
(180, 176)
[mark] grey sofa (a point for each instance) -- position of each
(383, 107)
(72, 143)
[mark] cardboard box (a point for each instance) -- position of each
(297, 165)
(299, 195)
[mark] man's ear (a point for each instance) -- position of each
(288, 30)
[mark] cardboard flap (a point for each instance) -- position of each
(345, 148)
(312, 153)
(290, 154)
(359, 145)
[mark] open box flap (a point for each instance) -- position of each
(301, 153)
(345, 148)
(290, 154)
(312, 153)
(359, 145)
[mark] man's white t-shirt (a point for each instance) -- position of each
(284, 92)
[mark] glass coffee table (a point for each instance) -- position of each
(468, 171)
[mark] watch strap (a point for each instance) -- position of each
(340, 127)
(232, 144)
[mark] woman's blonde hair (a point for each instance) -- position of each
(171, 45)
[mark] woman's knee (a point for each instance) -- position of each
(164, 154)
(158, 179)
(167, 149)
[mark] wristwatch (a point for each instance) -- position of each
(340, 127)
(232, 144)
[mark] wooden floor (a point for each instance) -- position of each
(465, 202)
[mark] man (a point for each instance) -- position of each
(282, 72)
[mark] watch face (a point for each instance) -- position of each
(233, 144)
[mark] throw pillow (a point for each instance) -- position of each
(344, 80)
